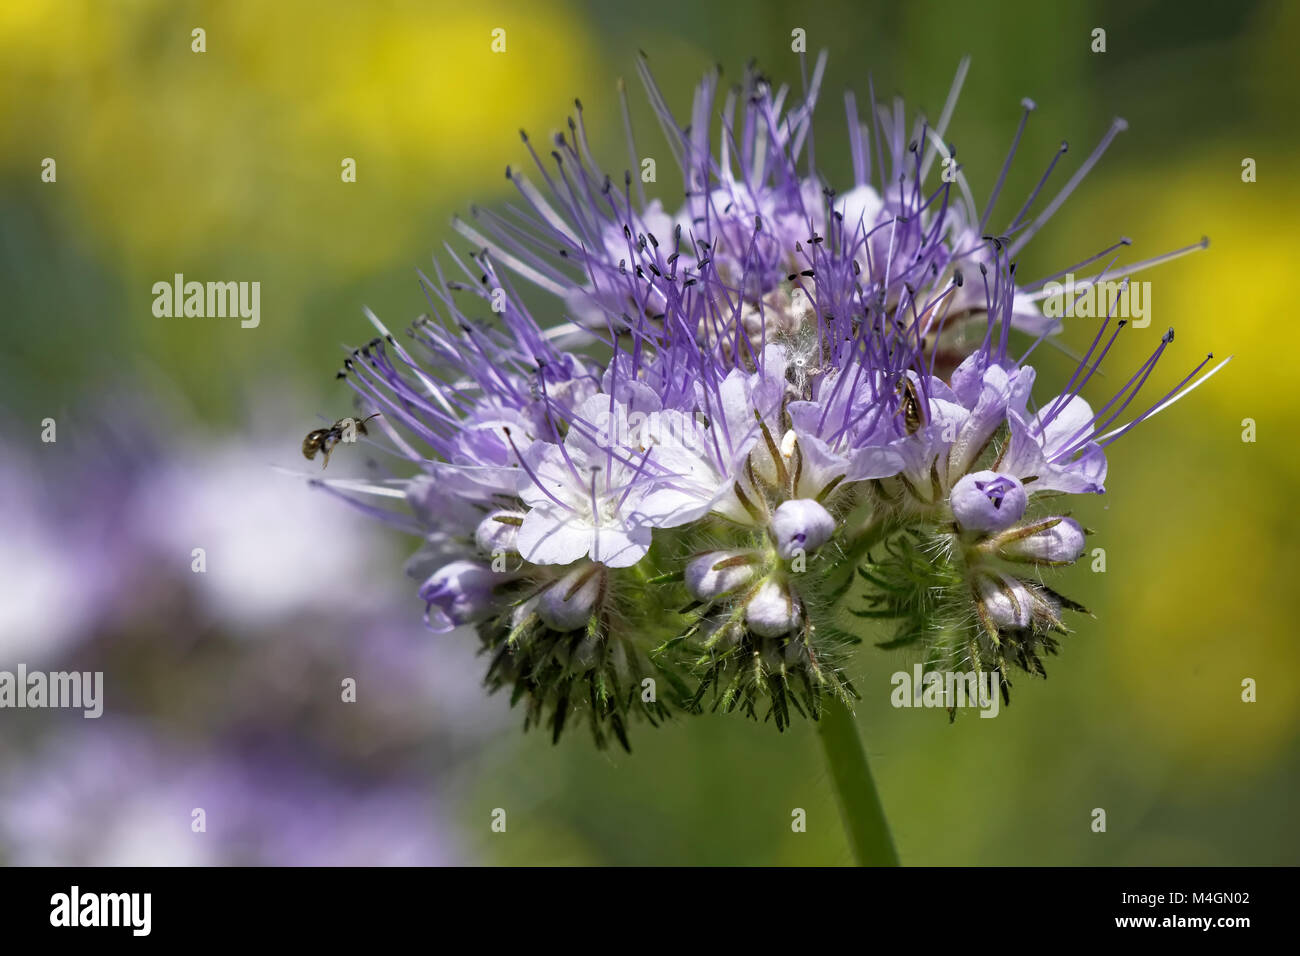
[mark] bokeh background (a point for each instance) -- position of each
(223, 688)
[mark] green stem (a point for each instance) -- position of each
(864, 817)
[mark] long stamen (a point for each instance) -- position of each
(1028, 107)
(1131, 389)
(1174, 395)
(1116, 127)
(537, 482)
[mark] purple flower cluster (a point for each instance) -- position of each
(745, 397)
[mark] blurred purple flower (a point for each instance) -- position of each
(123, 797)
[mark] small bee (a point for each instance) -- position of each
(909, 406)
(324, 439)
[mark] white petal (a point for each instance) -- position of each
(620, 547)
(550, 537)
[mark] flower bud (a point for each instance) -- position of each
(716, 573)
(1006, 600)
(773, 611)
(523, 611)
(498, 532)
(988, 501)
(801, 525)
(567, 604)
(457, 593)
(1061, 543)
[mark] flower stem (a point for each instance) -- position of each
(855, 791)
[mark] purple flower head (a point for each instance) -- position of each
(771, 366)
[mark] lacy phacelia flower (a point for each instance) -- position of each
(767, 417)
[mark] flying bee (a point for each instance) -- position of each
(909, 406)
(324, 439)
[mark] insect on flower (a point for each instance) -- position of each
(323, 440)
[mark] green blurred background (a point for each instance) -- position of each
(225, 165)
